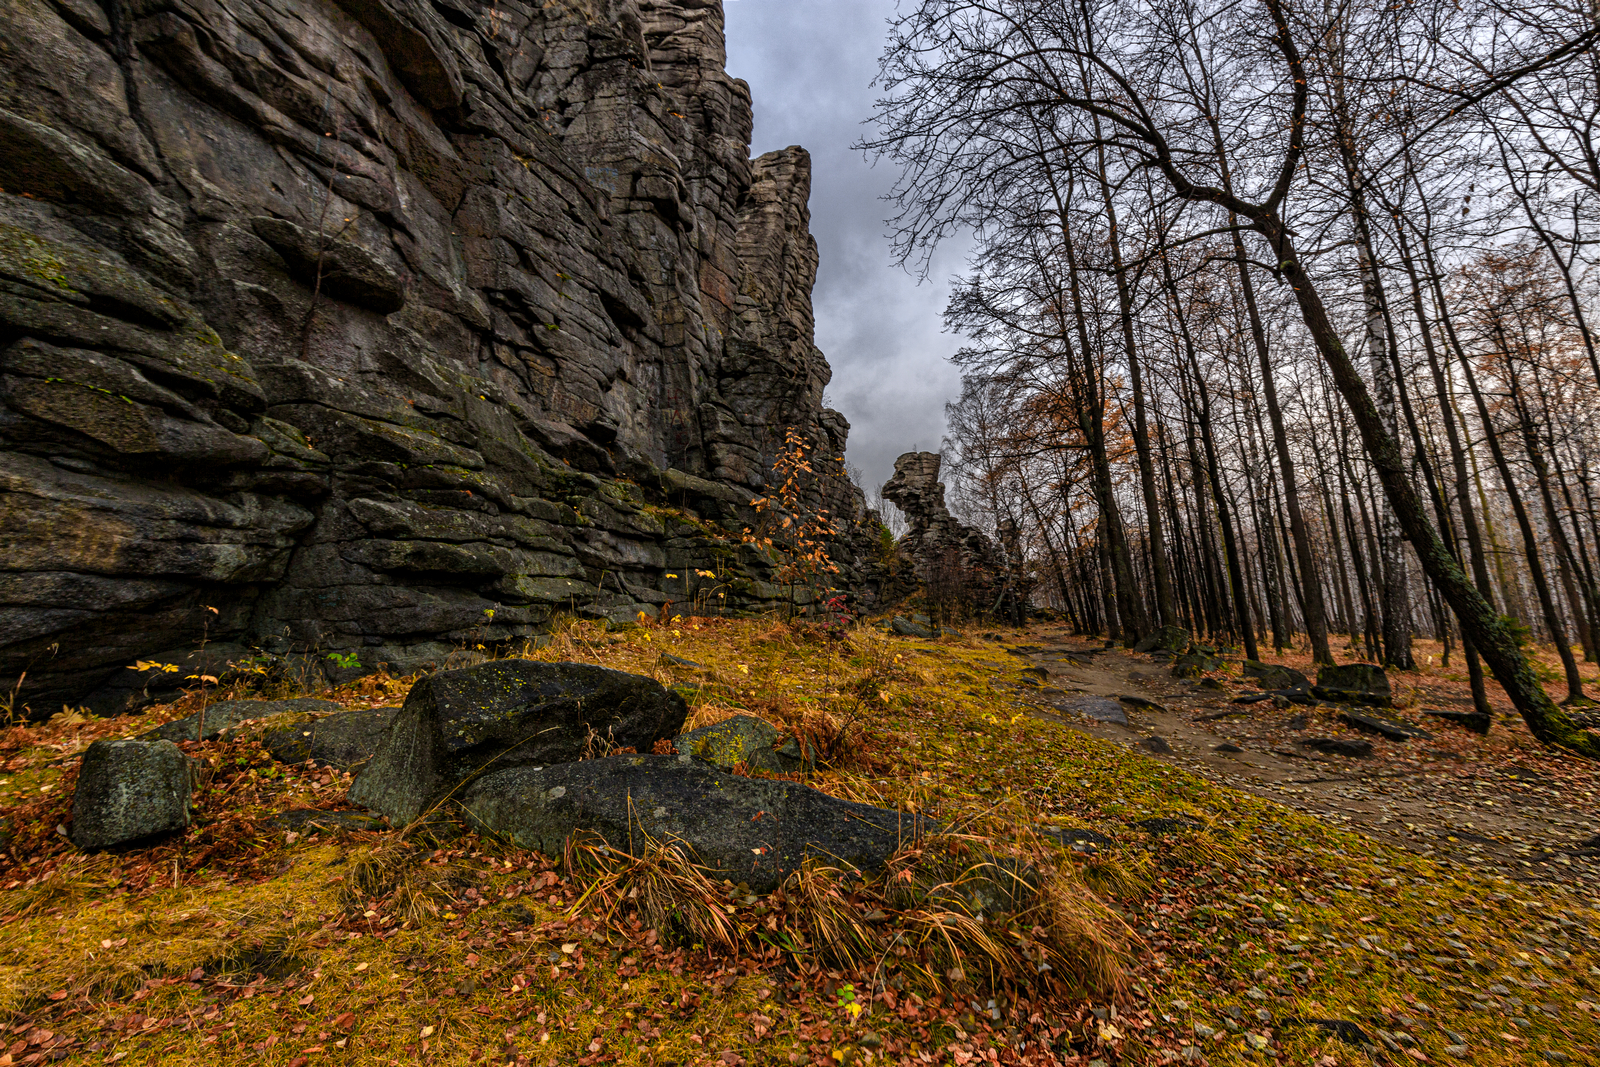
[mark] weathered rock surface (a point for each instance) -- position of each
(224, 715)
(954, 562)
(754, 831)
(130, 790)
(1174, 639)
(1393, 729)
(348, 318)
(344, 740)
(746, 739)
(1194, 664)
(508, 713)
(906, 628)
(1272, 676)
(1354, 683)
(1100, 709)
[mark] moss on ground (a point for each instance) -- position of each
(301, 948)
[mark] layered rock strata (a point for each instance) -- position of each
(960, 568)
(382, 327)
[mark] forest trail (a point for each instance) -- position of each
(1502, 803)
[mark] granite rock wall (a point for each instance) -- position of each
(383, 327)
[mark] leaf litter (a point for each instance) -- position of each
(1211, 924)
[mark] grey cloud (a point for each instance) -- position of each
(810, 64)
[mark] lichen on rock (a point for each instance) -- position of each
(379, 326)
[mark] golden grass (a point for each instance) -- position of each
(470, 949)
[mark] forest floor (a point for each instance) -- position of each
(1258, 907)
(1502, 802)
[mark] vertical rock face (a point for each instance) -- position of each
(957, 564)
(381, 325)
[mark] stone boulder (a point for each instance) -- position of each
(220, 718)
(344, 740)
(1100, 709)
(746, 739)
(1274, 676)
(907, 628)
(508, 713)
(745, 830)
(1194, 664)
(1393, 729)
(130, 790)
(1354, 683)
(1174, 639)
(1339, 746)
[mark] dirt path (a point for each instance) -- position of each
(1502, 803)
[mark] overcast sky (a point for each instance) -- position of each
(809, 64)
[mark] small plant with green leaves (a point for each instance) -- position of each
(347, 661)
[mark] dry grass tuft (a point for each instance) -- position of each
(1021, 920)
(667, 890)
(819, 911)
(397, 876)
(1114, 875)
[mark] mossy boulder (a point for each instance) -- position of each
(1195, 664)
(344, 740)
(745, 830)
(1174, 639)
(745, 739)
(1355, 683)
(225, 716)
(906, 628)
(508, 713)
(1274, 676)
(130, 790)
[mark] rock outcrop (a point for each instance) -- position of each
(748, 831)
(382, 327)
(455, 725)
(957, 564)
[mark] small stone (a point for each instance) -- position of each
(1256, 1042)
(1338, 746)
(748, 740)
(1459, 1052)
(1201, 1030)
(1156, 745)
(1556, 1057)
(130, 790)
(219, 718)
(907, 628)
(1227, 747)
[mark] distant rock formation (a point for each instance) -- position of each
(383, 327)
(956, 563)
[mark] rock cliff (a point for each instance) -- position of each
(960, 568)
(382, 327)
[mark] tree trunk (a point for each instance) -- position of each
(1493, 638)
